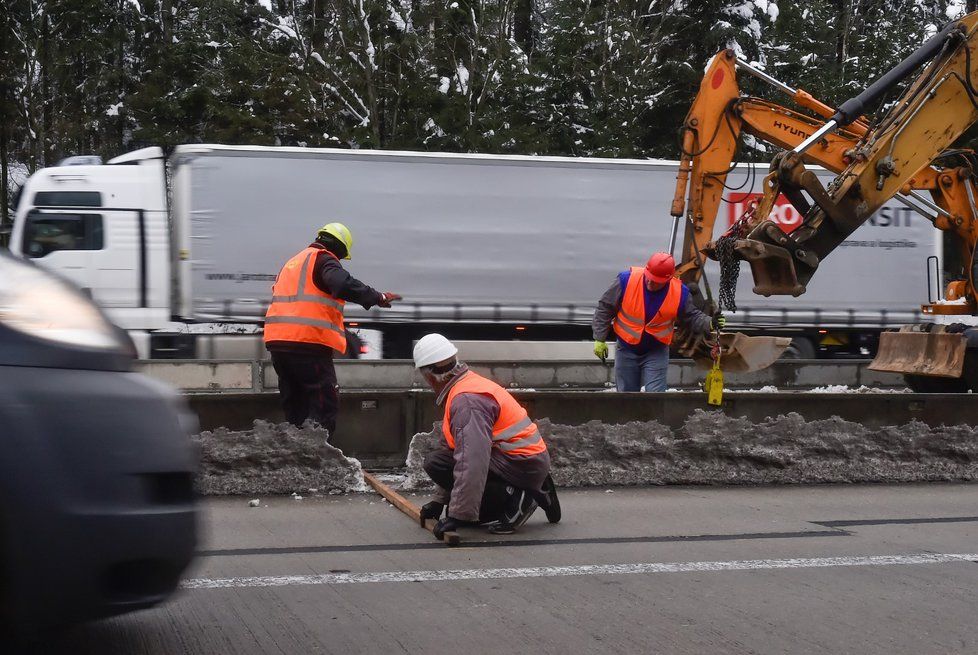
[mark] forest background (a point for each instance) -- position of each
(605, 78)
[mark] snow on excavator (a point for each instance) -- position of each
(905, 151)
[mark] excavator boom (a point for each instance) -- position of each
(896, 155)
(932, 113)
(719, 117)
(711, 132)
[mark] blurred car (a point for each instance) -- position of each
(354, 347)
(97, 505)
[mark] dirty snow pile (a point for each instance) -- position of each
(713, 448)
(274, 459)
(841, 388)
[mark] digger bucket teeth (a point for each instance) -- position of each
(740, 353)
(914, 352)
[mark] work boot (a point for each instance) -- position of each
(552, 506)
(519, 508)
(502, 527)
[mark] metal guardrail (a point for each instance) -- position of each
(237, 376)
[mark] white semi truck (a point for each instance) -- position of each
(182, 251)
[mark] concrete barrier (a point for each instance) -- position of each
(195, 376)
(376, 426)
(201, 375)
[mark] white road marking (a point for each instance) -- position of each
(583, 570)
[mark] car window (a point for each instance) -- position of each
(46, 232)
(68, 199)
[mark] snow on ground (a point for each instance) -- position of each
(274, 459)
(713, 448)
(710, 448)
(842, 388)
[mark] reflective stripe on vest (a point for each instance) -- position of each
(629, 327)
(514, 432)
(300, 311)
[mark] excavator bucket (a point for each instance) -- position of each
(772, 267)
(910, 351)
(740, 353)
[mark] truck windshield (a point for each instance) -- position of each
(46, 232)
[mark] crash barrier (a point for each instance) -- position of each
(377, 426)
(236, 376)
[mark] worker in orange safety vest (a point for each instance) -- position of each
(642, 307)
(494, 467)
(304, 324)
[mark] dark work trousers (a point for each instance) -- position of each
(440, 467)
(307, 385)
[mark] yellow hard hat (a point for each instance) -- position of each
(341, 233)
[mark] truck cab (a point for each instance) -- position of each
(104, 227)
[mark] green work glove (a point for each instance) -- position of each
(719, 322)
(601, 350)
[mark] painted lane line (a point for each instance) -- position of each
(582, 570)
(523, 543)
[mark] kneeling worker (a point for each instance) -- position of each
(495, 467)
(642, 306)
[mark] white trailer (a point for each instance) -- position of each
(481, 246)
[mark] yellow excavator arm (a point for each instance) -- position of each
(907, 149)
(718, 118)
(716, 121)
(711, 131)
(931, 114)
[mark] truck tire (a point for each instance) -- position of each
(927, 384)
(353, 344)
(800, 348)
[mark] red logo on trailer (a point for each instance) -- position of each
(784, 213)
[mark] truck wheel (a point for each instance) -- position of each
(927, 384)
(800, 348)
(353, 344)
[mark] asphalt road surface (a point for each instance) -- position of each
(823, 569)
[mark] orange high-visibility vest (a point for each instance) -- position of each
(513, 432)
(630, 322)
(300, 311)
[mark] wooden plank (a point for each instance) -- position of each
(408, 508)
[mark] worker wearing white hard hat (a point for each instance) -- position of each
(494, 467)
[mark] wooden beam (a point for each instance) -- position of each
(408, 508)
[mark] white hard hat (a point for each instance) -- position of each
(431, 349)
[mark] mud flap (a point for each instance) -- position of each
(913, 351)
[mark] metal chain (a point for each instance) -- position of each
(723, 247)
(728, 259)
(729, 272)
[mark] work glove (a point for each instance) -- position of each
(432, 510)
(447, 524)
(719, 322)
(387, 298)
(601, 350)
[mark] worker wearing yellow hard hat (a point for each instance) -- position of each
(304, 324)
(340, 233)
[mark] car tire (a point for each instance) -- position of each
(928, 384)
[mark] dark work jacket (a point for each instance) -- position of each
(330, 277)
